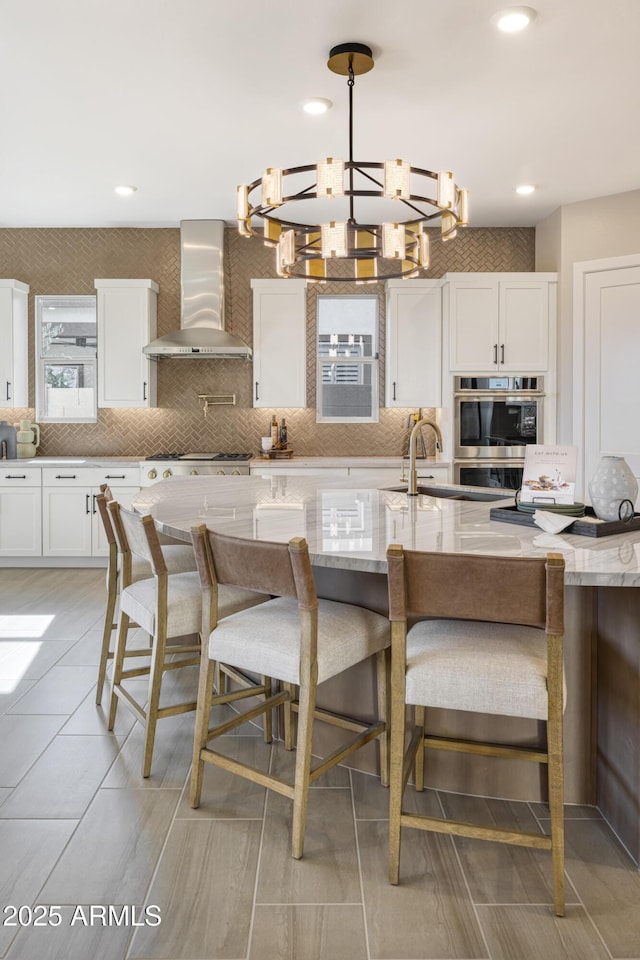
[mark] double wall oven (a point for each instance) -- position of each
(495, 418)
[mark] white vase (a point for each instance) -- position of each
(613, 489)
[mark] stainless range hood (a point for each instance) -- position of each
(201, 332)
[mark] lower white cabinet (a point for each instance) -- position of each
(20, 512)
(71, 524)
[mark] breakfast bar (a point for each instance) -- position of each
(348, 526)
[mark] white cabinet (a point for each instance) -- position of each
(413, 376)
(14, 368)
(126, 314)
(279, 343)
(71, 525)
(20, 512)
(500, 322)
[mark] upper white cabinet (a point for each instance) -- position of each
(126, 324)
(413, 376)
(14, 369)
(500, 321)
(279, 343)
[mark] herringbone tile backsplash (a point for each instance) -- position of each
(59, 261)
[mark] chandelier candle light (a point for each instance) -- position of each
(378, 251)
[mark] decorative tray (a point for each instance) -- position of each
(283, 454)
(585, 527)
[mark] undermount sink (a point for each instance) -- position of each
(449, 493)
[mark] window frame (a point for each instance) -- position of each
(41, 362)
(372, 362)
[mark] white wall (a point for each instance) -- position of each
(589, 230)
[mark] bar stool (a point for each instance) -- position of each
(294, 638)
(494, 646)
(179, 559)
(166, 606)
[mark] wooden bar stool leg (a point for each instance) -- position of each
(155, 685)
(556, 809)
(118, 661)
(268, 716)
(382, 678)
(420, 716)
(203, 711)
(289, 731)
(303, 760)
(396, 765)
(105, 652)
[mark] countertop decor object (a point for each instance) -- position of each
(7, 441)
(375, 251)
(613, 489)
(28, 437)
(587, 526)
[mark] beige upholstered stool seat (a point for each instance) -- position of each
(184, 611)
(266, 639)
(494, 668)
(179, 559)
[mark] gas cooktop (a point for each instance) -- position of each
(231, 457)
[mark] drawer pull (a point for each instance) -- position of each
(86, 500)
(15, 476)
(66, 476)
(115, 476)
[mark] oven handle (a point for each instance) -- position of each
(508, 397)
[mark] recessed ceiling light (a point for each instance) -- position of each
(316, 105)
(525, 188)
(514, 18)
(125, 189)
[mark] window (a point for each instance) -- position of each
(347, 361)
(66, 359)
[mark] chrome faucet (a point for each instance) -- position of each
(413, 473)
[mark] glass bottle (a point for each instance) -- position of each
(275, 433)
(283, 434)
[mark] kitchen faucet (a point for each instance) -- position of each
(412, 490)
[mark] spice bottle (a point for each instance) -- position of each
(275, 433)
(283, 434)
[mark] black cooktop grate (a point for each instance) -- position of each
(232, 457)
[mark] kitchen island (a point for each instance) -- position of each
(348, 527)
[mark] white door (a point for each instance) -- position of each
(414, 344)
(20, 522)
(473, 325)
(66, 521)
(607, 342)
(524, 326)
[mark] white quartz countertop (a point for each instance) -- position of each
(349, 524)
(79, 461)
(383, 463)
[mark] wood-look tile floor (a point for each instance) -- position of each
(79, 827)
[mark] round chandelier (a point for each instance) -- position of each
(377, 251)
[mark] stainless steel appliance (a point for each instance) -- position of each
(161, 466)
(505, 474)
(495, 418)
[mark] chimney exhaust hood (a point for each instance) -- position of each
(201, 332)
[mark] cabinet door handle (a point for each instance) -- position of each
(394, 390)
(144, 390)
(8, 394)
(93, 506)
(114, 476)
(257, 397)
(87, 497)
(65, 476)
(495, 353)
(15, 476)
(502, 353)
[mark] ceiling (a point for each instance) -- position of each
(187, 98)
